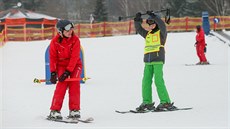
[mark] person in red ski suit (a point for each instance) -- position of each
(65, 63)
(200, 45)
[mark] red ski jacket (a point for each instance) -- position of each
(200, 38)
(65, 53)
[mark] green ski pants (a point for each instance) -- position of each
(155, 70)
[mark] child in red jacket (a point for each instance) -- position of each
(200, 45)
(65, 62)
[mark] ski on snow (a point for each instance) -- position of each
(134, 111)
(73, 121)
(196, 64)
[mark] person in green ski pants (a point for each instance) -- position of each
(154, 58)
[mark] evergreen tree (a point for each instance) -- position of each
(100, 12)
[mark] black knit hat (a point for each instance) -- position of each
(150, 20)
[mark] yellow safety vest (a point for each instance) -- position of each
(152, 42)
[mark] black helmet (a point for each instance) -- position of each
(150, 20)
(198, 27)
(64, 25)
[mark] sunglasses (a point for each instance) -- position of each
(69, 27)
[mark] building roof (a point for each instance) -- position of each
(17, 13)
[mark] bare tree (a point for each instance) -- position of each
(55, 8)
(124, 6)
(80, 10)
(131, 7)
(217, 7)
(74, 10)
(150, 5)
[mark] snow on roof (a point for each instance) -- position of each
(22, 13)
(33, 15)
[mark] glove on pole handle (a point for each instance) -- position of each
(36, 80)
(132, 16)
(125, 17)
(167, 16)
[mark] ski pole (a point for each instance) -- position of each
(125, 17)
(132, 16)
(36, 80)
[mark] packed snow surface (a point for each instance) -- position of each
(115, 65)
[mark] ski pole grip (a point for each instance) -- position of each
(36, 80)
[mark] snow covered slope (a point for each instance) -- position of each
(115, 65)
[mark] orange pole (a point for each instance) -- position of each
(66, 80)
(6, 39)
(186, 23)
(25, 32)
(129, 26)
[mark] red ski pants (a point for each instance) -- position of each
(73, 90)
(200, 53)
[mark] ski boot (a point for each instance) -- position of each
(205, 63)
(145, 107)
(199, 63)
(54, 114)
(74, 114)
(166, 107)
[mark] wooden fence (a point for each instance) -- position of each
(108, 29)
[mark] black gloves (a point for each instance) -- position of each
(53, 78)
(150, 13)
(138, 17)
(195, 43)
(64, 76)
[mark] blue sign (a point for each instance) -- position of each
(47, 65)
(205, 22)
